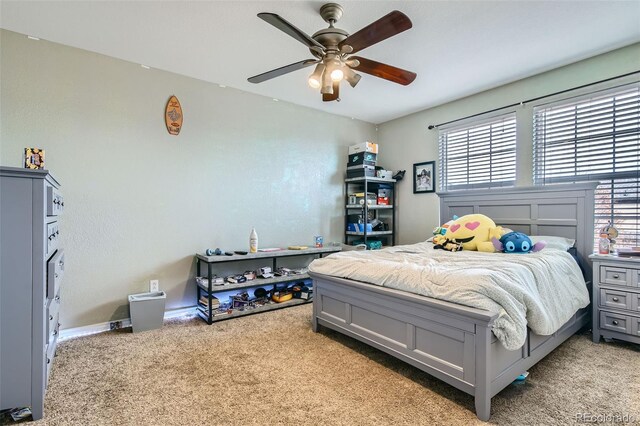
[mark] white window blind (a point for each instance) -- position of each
(479, 155)
(596, 137)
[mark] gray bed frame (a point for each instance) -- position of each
(453, 342)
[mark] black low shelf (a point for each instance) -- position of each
(206, 313)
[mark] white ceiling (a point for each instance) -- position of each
(457, 48)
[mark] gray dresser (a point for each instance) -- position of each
(616, 298)
(31, 270)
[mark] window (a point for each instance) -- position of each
(596, 137)
(481, 155)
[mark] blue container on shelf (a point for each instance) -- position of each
(358, 227)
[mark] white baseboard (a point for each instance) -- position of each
(68, 333)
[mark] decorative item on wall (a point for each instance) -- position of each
(424, 175)
(173, 115)
(34, 158)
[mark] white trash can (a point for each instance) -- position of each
(147, 310)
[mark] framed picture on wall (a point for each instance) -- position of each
(424, 177)
(34, 158)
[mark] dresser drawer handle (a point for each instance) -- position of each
(615, 322)
(50, 317)
(57, 299)
(56, 275)
(616, 276)
(55, 332)
(48, 360)
(615, 299)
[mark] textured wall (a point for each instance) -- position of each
(407, 140)
(139, 202)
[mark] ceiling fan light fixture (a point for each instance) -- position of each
(327, 84)
(351, 76)
(334, 66)
(337, 74)
(315, 79)
(353, 63)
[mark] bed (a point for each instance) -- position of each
(452, 342)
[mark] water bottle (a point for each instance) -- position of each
(253, 241)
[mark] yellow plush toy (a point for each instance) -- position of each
(474, 232)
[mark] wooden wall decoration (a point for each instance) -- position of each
(173, 115)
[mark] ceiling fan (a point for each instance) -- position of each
(332, 48)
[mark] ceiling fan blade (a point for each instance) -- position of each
(385, 27)
(283, 25)
(335, 96)
(388, 72)
(281, 71)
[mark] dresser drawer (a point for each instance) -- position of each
(615, 322)
(52, 317)
(55, 272)
(615, 299)
(50, 353)
(616, 276)
(635, 302)
(53, 237)
(55, 202)
(635, 326)
(52, 328)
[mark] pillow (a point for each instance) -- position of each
(558, 243)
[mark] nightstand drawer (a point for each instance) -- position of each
(616, 299)
(616, 322)
(615, 276)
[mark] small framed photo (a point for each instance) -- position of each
(424, 177)
(33, 158)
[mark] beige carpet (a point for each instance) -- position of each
(272, 369)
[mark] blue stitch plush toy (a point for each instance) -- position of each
(517, 242)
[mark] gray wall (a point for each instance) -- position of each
(407, 140)
(139, 202)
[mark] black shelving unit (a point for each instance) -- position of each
(206, 312)
(383, 212)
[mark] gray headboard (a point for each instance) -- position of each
(564, 210)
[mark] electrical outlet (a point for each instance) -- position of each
(114, 325)
(154, 285)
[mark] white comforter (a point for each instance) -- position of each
(542, 290)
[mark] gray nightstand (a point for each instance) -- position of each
(616, 298)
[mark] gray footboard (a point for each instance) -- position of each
(451, 342)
